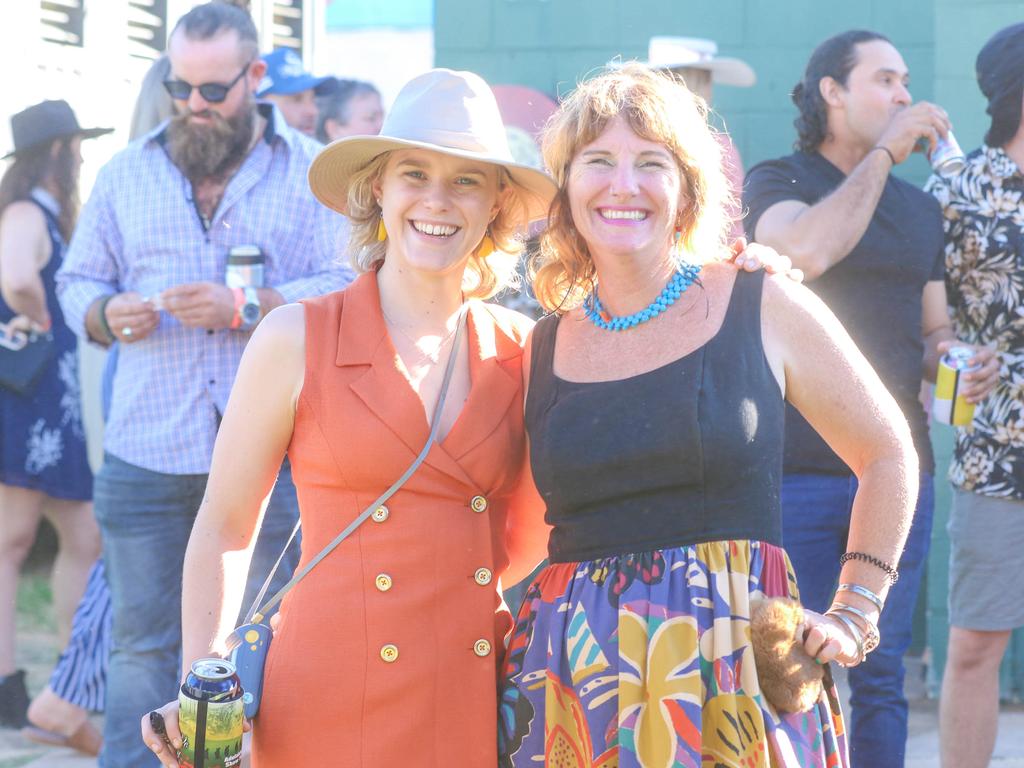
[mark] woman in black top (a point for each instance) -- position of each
(655, 410)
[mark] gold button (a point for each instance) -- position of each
(482, 647)
(383, 582)
(389, 653)
(478, 504)
(380, 514)
(482, 576)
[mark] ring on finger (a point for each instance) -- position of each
(824, 643)
(126, 331)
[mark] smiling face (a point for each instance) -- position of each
(625, 194)
(436, 208)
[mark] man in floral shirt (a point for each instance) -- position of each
(983, 212)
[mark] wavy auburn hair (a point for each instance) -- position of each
(658, 107)
(486, 273)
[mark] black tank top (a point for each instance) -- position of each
(686, 453)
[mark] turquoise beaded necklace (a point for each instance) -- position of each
(675, 288)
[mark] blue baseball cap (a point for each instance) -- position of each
(286, 75)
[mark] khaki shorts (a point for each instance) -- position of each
(986, 562)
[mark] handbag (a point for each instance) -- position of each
(789, 677)
(249, 643)
(23, 358)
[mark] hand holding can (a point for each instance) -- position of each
(211, 715)
(949, 405)
(914, 128)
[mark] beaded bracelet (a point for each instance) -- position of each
(891, 572)
(864, 592)
(101, 314)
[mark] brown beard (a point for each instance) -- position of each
(210, 151)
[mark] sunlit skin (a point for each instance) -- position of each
(422, 190)
(366, 116)
(625, 193)
(216, 60)
(298, 109)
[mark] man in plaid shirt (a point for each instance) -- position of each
(146, 267)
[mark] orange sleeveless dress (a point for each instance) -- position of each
(387, 652)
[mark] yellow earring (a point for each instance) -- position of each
(486, 247)
(382, 232)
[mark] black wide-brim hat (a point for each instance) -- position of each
(41, 123)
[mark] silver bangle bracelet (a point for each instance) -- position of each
(864, 592)
(855, 631)
(872, 637)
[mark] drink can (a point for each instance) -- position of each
(245, 267)
(948, 405)
(947, 157)
(210, 716)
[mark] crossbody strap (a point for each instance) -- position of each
(257, 615)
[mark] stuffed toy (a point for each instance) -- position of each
(790, 678)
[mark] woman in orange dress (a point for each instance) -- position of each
(386, 653)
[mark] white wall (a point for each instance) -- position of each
(388, 58)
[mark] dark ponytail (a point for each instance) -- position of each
(833, 58)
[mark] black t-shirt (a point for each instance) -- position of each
(876, 291)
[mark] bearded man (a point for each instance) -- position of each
(146, 267)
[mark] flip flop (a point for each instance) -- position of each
(87, 739)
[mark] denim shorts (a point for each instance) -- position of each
(986, 558)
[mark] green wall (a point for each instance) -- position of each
(551, 44)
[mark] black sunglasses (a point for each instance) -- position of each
(214, 93)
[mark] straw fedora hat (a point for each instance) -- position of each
(441, 110)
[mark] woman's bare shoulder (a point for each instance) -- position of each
(281, 334)
(23, 213)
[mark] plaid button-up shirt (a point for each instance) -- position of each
(140, 231)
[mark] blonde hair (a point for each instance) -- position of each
(658, 107)
(486, 273)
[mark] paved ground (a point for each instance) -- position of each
(922, 748)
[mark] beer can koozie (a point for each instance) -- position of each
(210, 716)
(948, 405)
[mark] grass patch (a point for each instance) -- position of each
(35, 604)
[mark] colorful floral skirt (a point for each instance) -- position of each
(645, 660)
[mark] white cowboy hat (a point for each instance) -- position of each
(443, 111)
(698, 53)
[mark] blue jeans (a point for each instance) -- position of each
(815, 523)
(146, 518)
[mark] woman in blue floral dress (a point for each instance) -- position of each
(655, 411)
(43, 462)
